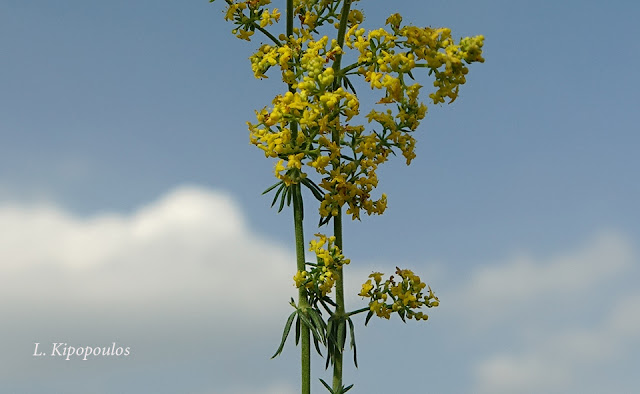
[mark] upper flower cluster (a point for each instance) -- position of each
(313, 126)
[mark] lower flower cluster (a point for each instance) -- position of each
(321, 276)
(405, 296)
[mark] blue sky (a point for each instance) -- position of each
(130, 205)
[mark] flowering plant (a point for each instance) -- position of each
(317, 135)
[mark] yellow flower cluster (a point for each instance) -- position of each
(322, 275)
(248, 15)
(386, 60)
(318, 111)
(309, 125)
(404, 297)
(314, 13)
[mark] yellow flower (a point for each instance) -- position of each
(366, 288)
(394, 20)
(299, 278)
(244, 34)
(377, 276)
(294, 161)
(279, 167)
(275, 14)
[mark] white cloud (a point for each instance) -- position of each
(189, 241)
(500, 291)
(277, 388)
(625, 317)
(553, 320)
(558, 361)
(180, 277)
(184, 280)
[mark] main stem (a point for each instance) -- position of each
(303, 303)
(340, 314)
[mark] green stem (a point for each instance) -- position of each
(350, 67)
(269, 35)
(294, 126)
(342, 30)
(289, 18)
(303, 303)
(339, 314)
(358, 311)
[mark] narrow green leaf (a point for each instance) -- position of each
(298, 195)
(324, 305)
(316, 344)
(310, 326)
(329, 300)
(348, 83)
(320, 328)
(275, 198)
(324, 220)
(317, 319)
(327, 386)
(332, 339)
(329, 328)
(366, 321)
(290, 195)
(298, 328)
(347, 388)
(272, 187)
(315, 186)
(285, 334)
(314, 189)
(330, 356)
(287, 192)
(401, 314)
(343, 337)
(348, 158)
(353, 342)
